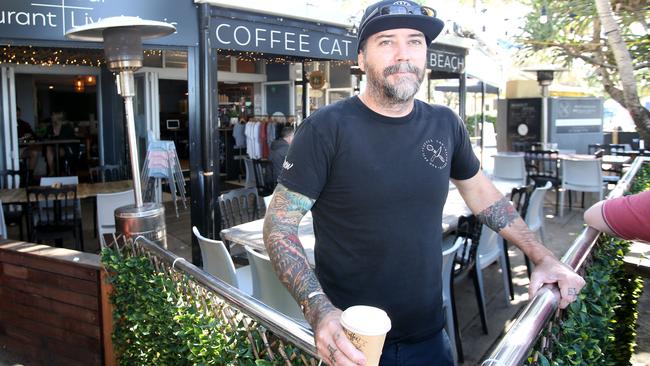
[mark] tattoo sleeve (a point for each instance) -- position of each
(499, 215)
(287, 254)
(502, 215)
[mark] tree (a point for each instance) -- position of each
(613, 40)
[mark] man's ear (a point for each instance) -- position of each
(361, 61)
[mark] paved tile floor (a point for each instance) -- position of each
(560, 232)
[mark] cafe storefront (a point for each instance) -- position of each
(223, 65)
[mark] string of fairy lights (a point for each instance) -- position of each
(48, 56)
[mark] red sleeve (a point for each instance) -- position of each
(629, 216)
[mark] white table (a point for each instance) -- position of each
(250, 233)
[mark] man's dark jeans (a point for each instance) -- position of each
(434, 351)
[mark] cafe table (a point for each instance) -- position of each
(250, 233)
(84, 190)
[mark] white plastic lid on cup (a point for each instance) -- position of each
(366, 320)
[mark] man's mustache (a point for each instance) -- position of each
(400, 68)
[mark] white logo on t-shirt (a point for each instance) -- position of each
(287, 165)
(435, 153)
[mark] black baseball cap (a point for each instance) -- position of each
(393, 14)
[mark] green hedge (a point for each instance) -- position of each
(156, 323)
(600, 327)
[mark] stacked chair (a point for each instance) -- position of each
(161, 163)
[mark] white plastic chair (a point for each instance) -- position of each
(268, 289)
(535, 216)
(535, 212)
(451, 321)
(490, 250)
(582, 176)
(510, 166)
(217, 262)
(267, 200)
(161, 163)
(106, 205)
(250, 174)
(3, 225)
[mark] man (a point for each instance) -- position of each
(279, 149)
(627, 217)
(24, 128)
(374, 170)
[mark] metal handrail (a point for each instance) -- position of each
(270, 318)
(514, 347)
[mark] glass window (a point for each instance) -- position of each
(244, 66)
(223, 62)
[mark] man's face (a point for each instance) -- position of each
(394, 62)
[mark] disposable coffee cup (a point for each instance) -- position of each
(366, 328)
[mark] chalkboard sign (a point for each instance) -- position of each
(524, 120)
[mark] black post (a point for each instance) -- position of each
(462, 95)
(482, 119)
(304, 92)
(204, 137)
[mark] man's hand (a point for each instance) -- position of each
(551, 270)
(332, 344)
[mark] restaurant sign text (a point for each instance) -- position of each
(446, 58)
(50, 19)
(240, 35)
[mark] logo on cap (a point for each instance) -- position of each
(405, 3)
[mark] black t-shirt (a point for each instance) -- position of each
(380, 184)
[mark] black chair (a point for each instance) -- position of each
(70, 157)
(13, 212)
(469, 231)
(107, 173)
(544, 166)
(239, 206)
(264, 177)
(54, 215)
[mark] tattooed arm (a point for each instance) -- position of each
(290, 264)
(496, 211)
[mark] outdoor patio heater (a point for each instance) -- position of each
(545, 76)
(122, 37)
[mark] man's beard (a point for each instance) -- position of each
(403, 90)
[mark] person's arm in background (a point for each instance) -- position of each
(290, 264)
(594, 218)
(496, 211)
(627, 217)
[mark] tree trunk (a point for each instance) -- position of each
(612, 31)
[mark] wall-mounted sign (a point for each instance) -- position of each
(281, 39)
(577, 115)
(316, 79)
(50, 19)
(446, 58)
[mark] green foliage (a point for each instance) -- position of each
(573, 32)
(155, 323)
(642, 180)
(600, 327)
(471, 121)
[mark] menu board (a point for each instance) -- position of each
(524, 120)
